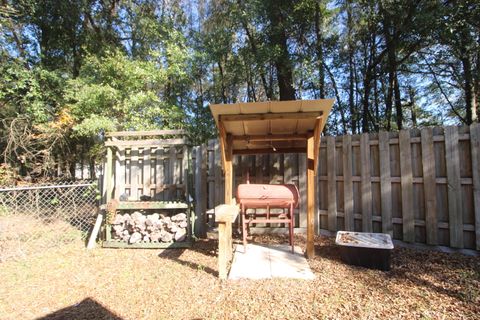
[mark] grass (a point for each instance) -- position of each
(73, 283)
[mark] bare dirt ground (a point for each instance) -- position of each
(72, 283)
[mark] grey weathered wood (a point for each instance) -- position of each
(147, 174)
(159, 174)
(347, 183)
(429, 186)
(219, 192)
(146, 143)
(145, 133)
(407, 186)
(172, 169)
(455, 212)
(332, 184)
(366, 184)
(475, 148)
(385, 183)
(134, 173)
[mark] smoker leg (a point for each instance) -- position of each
(292, 221)
(244, 227)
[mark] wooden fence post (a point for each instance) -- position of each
(475, 148)
(348, 184)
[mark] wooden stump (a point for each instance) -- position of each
(225, 214)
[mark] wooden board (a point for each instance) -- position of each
(455, 212)
(366, 184)
(429, 186)
(475, 153)
(347, 183)
(407, 186)
(332, 184)
(385, 183)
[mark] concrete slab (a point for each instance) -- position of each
(269, 261)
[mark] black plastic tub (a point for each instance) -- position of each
(370, 250)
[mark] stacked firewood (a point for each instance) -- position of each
(156, 227)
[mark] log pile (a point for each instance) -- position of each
(155, 228)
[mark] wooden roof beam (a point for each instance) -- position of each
(269, 116)
(269, 150)
(271, 137)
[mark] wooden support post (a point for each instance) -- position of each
(408, 217)
(475, 147)
(228, 170)
(109, 175)
(429, 186)
(385, 182)
(332, 184)
(224, 216)
(310, 196)
(347, 183)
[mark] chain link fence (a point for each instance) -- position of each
(37, 218)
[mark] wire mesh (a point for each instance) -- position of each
(37, 218)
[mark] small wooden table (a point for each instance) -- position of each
(225, 214)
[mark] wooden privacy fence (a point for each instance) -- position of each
(417, 185)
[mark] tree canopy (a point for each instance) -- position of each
(73, 69)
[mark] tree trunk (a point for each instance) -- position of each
(351, 68)
(319, 36)
(278, 39)
(470, 103)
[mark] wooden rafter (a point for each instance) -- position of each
(269, 116)
(269, 150)
(271, 137)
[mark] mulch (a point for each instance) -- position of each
(73, 283)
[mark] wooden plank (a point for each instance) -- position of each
(429, 186)
(316, 142)
(218, 175)
(134, 173)
(159, 178)
(145, 133)
(147, 172)
(119, 169)
(172, 169)
(271, 137)
(109, 174)
(407, 186)
(269, 150)
(366, 184)
(302, 188)
(152, 205)
(385, 183)
(96, 229)
(347, 183)
(455, 209)
(310, 198)
(223, 244)
(475, 150)
(332, 184)
(228, 170)
(269, 116)
(150, 245)
(185, 173)
(146, 143)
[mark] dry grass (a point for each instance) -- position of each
(69, 283)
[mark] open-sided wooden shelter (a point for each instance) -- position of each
(273, 127)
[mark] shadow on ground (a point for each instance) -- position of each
(207, 248)
(86, 309)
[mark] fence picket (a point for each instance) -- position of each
(348, 184)
(332, 184)
(475, 148)
(385, 182)
(429, 186)
(455, 212)
(366, 183)
(406, 182)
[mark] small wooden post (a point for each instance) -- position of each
(224, 215)
(310, 196)
(228, 170)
